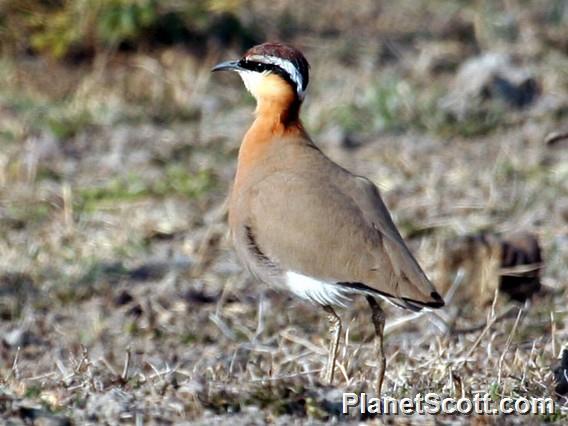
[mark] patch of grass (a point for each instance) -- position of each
(394, 105)
(131, 187)
(47, 173)
(66, 123)
(478, 123)
(189, 338)
(78, 28)
(131, 328)
(279, 399)
(177, 181)
(7, 135)
(111, 272)
(557, 418)
(350, 117)
(61, 117)
(170, 112)
(386, 107)
(134, 245)
(20, 216)
(391, 103)
(137, 97)
(95, 278)
(494, 392)
(33, 391)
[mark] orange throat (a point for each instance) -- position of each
(277, 118)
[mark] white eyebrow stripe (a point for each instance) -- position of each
(287, 66)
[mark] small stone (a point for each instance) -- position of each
(124, 298)
(490, 76)
(17, 338)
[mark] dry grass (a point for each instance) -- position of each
(121, 298)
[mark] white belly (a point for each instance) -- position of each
(315, 290)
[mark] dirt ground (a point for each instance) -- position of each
(121, 298)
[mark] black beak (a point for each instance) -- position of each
(226, 66)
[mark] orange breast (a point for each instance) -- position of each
(257, 142)
(276, 121)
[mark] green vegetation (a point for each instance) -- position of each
(63, 28)
(385, 107)
(35, 112)
(395, 105)
(177, 181)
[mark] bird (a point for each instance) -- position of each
(300, 222)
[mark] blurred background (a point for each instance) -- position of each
(120, 296)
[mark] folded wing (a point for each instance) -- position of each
(330, 225)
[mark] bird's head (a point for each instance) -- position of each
(271, 70)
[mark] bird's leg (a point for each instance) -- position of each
(335, 334)
(378, 317)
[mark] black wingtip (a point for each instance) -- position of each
(416, 306)
(401, 302)
(438, 300)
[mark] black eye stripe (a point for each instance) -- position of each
(258, 66)
(261, 67)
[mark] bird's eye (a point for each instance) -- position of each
(257, 66)
(253, 66)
